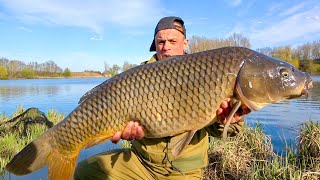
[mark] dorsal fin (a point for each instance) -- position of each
(179, 142)
(92, 91)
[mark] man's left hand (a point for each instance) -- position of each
(225, 109)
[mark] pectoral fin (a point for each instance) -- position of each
(98, 140)
(235, 107)
(179, 142)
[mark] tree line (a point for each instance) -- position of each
(306, 57)
(18, 69)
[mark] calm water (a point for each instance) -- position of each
(281, 121)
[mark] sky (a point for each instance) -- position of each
(84, 35)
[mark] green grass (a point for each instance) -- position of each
(249, 155)
(11, 141)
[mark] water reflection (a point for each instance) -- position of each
(60, 94)
(18, 91)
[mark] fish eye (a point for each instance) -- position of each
(284, 73)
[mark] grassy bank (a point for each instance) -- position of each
(249, 155)
(11, 142)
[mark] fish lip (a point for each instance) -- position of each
(308, 86)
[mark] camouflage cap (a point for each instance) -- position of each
(168, 23)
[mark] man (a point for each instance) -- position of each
(152, 158)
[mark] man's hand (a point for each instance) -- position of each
(225, 109)
(133, 131)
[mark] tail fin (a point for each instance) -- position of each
(41, 152)
(32, 157)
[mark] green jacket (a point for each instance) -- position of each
(157, 152)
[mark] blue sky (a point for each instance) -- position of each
(83, 35)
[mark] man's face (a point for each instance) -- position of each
(170, 42)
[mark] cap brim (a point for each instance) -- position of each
(152, 47)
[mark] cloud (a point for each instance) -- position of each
(292, 10)
(95, 15)
(296, 26)
(234, 2)
(97, 38)
(22, 28)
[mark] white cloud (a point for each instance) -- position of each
(22, 28)
(95, 15)
(292, 10)
(313, 17)
(294, 27)
(97, 38)
(235, 2)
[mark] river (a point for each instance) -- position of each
(281, 120)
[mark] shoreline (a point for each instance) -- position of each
(73, 75)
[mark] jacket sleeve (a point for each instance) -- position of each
(216, 129)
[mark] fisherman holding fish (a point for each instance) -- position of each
(151, 158)
(179, 100)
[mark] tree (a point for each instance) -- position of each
(4, 61)
(286, 53)
(315, 50)
(15, 67)
(304, 53)
(114, 70)
(237, 39)
(28, 72)
(66, 72)
(127, 66)
(198, 44)
(266, 51)
(51, 68)
(111, 71)
(3, 72)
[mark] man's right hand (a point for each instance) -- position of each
(133, 131)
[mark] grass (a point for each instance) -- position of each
(11, 142)
(249, 155)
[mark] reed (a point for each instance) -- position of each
(249, 155)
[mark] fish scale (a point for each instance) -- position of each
(177, 95)
(189, 103)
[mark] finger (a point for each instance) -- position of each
(224, 104)
(133, 131)
(235, 119)
(126, 132)
(221, 115)
(140, 133)
(219, 111)
(227, 111)
(116, 137)
(228, 100)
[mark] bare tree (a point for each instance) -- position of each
(198, 44)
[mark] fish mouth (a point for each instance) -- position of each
(308, 86)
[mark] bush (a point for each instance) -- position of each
(3, 72)
(28, 73)
(66, 72)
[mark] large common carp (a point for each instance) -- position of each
(178, 95)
